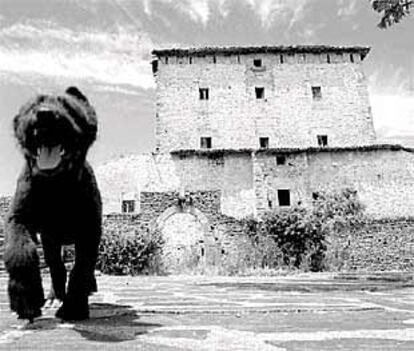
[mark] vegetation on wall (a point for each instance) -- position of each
(302, 235)
(123, 252)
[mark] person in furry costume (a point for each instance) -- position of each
(57, 197)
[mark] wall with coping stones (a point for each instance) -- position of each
(288, 114)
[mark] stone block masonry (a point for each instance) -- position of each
(383, 177)
(380, 245)
(287, 112)
(4, 206)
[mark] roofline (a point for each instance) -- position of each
(272, 151)
(235, 50)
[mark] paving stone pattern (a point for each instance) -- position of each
(303, 312)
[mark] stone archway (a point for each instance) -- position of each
(185, 233)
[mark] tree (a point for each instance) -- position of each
(392, 11)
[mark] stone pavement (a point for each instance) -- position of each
(299, 312)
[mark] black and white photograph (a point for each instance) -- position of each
(207, 175)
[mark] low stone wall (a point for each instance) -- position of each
(381, 245)
(4, 206)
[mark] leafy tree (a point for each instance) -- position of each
(392, 11)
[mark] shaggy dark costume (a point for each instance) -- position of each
(57, 197)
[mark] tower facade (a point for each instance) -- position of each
(261, 97)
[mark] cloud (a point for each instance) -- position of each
(118, 57)
(199, 11)
(393, 114)
(347, 7)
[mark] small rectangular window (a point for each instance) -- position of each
(280, 160)
(316, 93)
(257, 63)
(128, 206)
(205, 142)
(322, 140)
(260, 92)
(351, 58)
(154, 64)
(283, 197)
(264, 142)
(204, 93)
(328, 58)
(190, 60)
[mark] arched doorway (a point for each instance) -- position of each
(185, 235)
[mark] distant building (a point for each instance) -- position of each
(262, 97)
(241, 131)
(266, 127)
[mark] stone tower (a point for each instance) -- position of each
(261, 97)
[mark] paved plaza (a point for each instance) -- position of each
(298, 312)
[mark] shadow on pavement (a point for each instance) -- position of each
(107, 323)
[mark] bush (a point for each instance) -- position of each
(301, 234)
(137, 253)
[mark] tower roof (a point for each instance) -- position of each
(243, 50)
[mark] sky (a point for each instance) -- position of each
(104, 47)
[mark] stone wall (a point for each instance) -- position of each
(248, 180)
(231, 174)
(196, 233)
(4, 206)
(381, 245)
(288, 114)
(383, 178)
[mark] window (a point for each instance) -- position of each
(205, 142)
(203, 93)
(281, 59)
(257, 63)
(315, 195)
(214, 59)
(284, 197)
(322, 140)
(328, 58)
(190, 60)
(280, 160)
(316, 93)
(264, 142)
(154, 64)
(259, 92)
(351, 57)
(128, 206)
